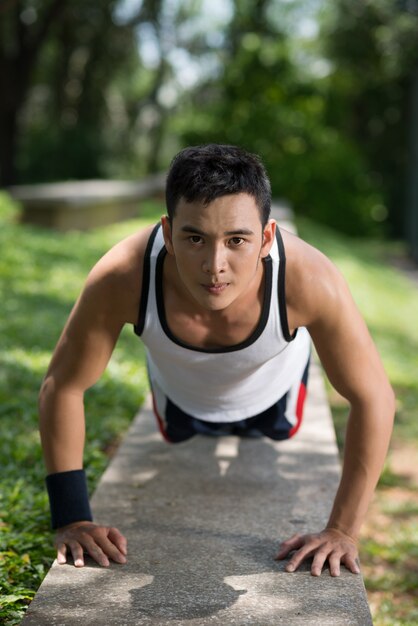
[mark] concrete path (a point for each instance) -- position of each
(203, 520)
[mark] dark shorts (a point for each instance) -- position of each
(280, 421)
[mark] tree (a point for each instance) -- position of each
(266, 102)
(83, 102)
(373, 48)
(56, 59)
(24, 28)
(63, 119)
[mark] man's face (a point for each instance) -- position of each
(218, 247)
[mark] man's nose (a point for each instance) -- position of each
(215, 260)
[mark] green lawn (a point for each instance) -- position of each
(389, 303)
(41, 274)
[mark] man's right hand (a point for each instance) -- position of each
(100, 542)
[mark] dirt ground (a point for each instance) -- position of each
(389, 543)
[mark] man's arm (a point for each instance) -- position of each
(109, 299)
(354, 368)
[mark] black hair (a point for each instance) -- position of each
(204, 173)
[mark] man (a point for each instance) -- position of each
(224, 301)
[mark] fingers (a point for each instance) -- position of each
(119, 540)
(99, 542)
(94, 549)
(351, 563)
(319, 560)
(334, 561)
(77, 553)
(301, 555)
(328, 546)
(61, 553)
(109, 548)
(294, 543)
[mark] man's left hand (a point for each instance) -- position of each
(330, 545)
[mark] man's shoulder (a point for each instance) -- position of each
(302, 258)
(116, 279)
(312, 280)
(126, 256)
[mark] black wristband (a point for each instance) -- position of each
(68, 498)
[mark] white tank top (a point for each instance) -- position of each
(230, 383)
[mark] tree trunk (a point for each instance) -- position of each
(8, 135)
(16, 65)
(412, 187)
(12, 79)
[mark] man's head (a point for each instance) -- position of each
(204, 173)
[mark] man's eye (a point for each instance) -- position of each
(236, 241)
(195, 238)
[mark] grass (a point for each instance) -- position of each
(41, 274)
(389, 303)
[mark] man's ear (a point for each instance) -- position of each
(168, 240)
(269, 233)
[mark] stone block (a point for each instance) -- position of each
(82, 205)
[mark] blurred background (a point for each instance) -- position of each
(325, 92)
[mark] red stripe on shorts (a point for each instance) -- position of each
(299, 409)
(159, 419)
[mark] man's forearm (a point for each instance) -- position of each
(366, 444)
(62, 427)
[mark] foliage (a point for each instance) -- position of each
(115, 88)
(265, 102)
(9, 209)
(372, 105)
(68, 106)
(330, 116)
(40, 277)
(91, 101)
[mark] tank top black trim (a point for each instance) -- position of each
(281, 286)
(239, 346)
(139, 326)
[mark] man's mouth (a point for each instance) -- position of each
(216, 287)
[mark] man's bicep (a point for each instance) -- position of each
(345, 347)
(86, 344)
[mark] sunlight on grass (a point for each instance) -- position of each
(41, 275)
(389, 303)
